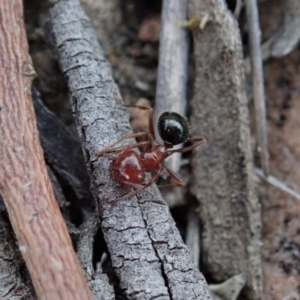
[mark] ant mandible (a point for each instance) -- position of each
(129, 168)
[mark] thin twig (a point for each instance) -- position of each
(258, 83)
(238, 8)
(193, 235)
(229, 289)
(172, 68)
(277, 183)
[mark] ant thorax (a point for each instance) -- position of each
(152, 159)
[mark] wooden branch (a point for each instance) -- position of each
(277, 183)
(172, 67)
(258, 83)
(63, 152)
(146, 250)
(238, 8)
(223, 169)
(229, 289)
(25, 186)
(193, 235)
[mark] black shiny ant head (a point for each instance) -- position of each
(173, 128)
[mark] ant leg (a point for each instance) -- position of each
(138, 188)
(177, 180)
(151, 116)
(129, 136)
(146, 144)
(197, 142)
(155, 177)
(115, 150)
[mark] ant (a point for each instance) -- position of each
(129, 168)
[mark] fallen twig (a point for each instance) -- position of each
(146, 249)
(229, 289)
(41, 232)
(277, 183)
(193, 235)
(172, 67)
(258, 83)
(238, 8)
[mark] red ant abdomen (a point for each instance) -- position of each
(127, 170)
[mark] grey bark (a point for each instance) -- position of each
(224, 181)
(147, 252)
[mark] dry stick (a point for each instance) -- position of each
(25, 186)
(147, 252)
(238, 8)
(223, 172)
(258, 83)
(172, 67)
(282, 43)
(277, 183)
(193, 235)
(229, 289)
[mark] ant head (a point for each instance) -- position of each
(173, 128)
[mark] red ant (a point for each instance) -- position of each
(129, 167)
